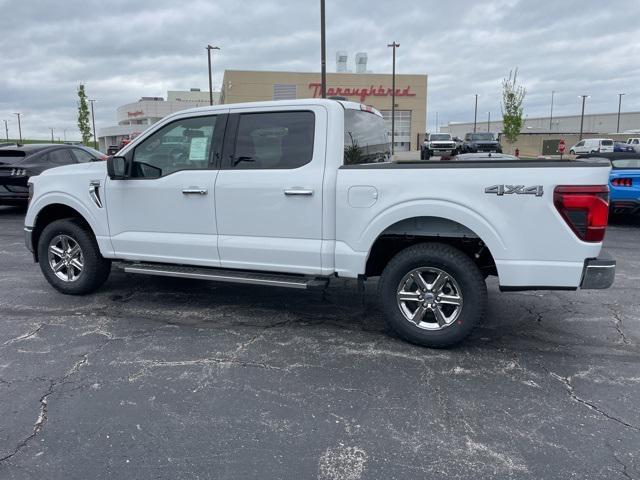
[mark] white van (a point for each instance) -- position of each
(592, 145)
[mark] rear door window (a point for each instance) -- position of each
(365, 138)
(82, 156)
(274, 140)
(60, 157)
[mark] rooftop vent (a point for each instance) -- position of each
(361, 62)
(341, 61)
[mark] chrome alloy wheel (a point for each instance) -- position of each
(65, 258)
(429, 298)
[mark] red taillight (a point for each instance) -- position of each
(585, 208)
(622, 182)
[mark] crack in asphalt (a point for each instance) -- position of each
(25, 335)
(571, 391)
(42, 417)
(617, 321)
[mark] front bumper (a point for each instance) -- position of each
(598, 273)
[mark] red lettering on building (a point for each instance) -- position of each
(135, 114)
(361, 93)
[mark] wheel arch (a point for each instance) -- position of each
(50, 213)
(481, 244)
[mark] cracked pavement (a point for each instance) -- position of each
(160, 378)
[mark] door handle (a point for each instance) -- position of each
(194, 191)
(298, 191)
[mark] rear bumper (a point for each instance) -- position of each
(598, 273)
(625, 206)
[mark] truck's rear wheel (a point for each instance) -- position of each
(70, 259)
(432, 295)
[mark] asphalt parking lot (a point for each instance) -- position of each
(160, 378)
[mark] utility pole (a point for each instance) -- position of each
(437, 122)
(93, 122)
(475, 115)
(19, 126)
(64, 134)
(619, 109)
(51, 134)
(393, 45)
(553, 92)
(584, 98)
(323, 53)
(6, 129)
(489, 122)
(209, 48)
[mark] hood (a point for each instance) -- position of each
(98, 168)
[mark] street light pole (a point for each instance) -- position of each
(323, 53)
(51, 134)
(64, 134)
(437, 123)
(584, 98)
(6, 129)
(393, 45)
(619, 109)
(489, 122)
(475, 115)
(93, 122)
(553, 92)
(19, 126)
(209, 48)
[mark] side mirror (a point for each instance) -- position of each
(117, 168)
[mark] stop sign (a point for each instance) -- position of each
(561, 146)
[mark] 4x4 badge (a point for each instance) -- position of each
(517, 189)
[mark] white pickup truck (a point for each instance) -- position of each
(294, 193)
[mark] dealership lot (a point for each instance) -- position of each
(163, 378)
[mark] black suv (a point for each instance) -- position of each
(481, 142)
(19, 162)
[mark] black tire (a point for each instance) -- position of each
(428, 154)
(458, 266)
(95, 269)
(422, 154)
(572, 152)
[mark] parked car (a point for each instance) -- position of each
(635, 143)
(623, 147)
(592, 145)
(624, 180)
(20, 162)
(481, 142)
(437, 144)
(305, 192)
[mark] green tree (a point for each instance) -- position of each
(83, 116)
(512, 98)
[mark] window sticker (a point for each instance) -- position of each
(198, 148)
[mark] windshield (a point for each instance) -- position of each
(435, 137)
(482, 136)
(626, 163)
(365, 138)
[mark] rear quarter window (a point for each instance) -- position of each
(365, 138)
(607, 143)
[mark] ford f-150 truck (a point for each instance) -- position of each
(294, 193)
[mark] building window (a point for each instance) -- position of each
(284, 91)
(402, 138)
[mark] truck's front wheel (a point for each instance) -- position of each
(432, 294)
(70, 258)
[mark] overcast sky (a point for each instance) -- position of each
(123, 50)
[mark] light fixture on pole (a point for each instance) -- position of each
(93, 123)
(19, 126)
(553, 92)
(393, 45)
(620, 95)
(209, 48)
(584, 99)
(475, 115)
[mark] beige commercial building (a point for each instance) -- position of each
(368, 88)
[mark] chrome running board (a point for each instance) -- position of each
(232, 276)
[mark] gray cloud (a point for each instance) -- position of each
(122, 50)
